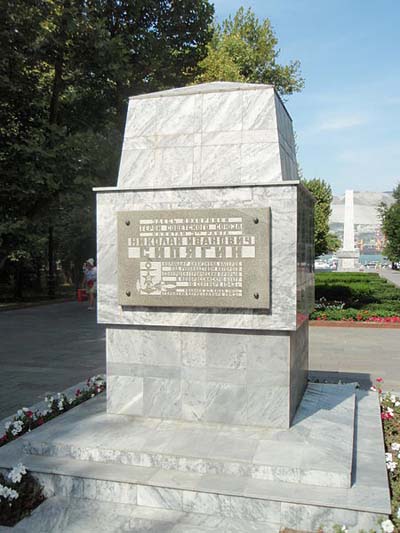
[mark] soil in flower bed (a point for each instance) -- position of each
(30, 496)
(355, 297)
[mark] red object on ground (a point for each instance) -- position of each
(352, 324)
(81, 295)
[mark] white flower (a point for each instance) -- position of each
(387, 526)
(391, 466)
(396, 404)
(344, 529)
(7, 425)
(398, 512)
(390, 411)
(7, 493)
(393, 398)
(60, 405)
(16, 473)
(389, 457)
(17, 427)
(395, 446)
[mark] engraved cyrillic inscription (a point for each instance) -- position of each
(194, 258)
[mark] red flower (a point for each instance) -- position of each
(29, 414)
(379, 380)
(78, 392)
(40, 421)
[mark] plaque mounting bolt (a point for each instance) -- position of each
(255, 220)
(128, 293)
(127, 222)
(256, 295)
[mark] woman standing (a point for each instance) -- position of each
(90, 281)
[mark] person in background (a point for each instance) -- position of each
(90, 282)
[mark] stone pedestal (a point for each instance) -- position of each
(348, 261)
(214, 146)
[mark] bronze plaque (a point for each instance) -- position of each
(194, 258)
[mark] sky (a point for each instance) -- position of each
(347, 118)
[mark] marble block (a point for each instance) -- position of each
(215, 133)
(249, 378)
(292, 276)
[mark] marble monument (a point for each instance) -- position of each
(205, 284)
(349, 255)
(218, 150)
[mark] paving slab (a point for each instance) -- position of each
(353, 354)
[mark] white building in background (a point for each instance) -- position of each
(368, 237)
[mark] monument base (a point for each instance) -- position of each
(348, 261)
(204, 477)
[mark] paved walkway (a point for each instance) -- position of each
(391, 275)
(49, 348)
(356, 354)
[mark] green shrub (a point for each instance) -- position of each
(355, 293)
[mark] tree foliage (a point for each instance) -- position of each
(324, 240)
(391, 226)
(244, 49)
(67, 68)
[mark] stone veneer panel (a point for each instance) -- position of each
(282, 199)
(305, 255)
(240, 378)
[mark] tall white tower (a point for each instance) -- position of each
(349, 255)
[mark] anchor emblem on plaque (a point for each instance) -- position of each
(149, 281)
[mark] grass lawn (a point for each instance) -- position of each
(356, 297)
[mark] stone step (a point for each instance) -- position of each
(261, 503)
(296, 506)
(310, 452)
(60, 515)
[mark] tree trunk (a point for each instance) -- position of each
(51, 280)
(18, 278)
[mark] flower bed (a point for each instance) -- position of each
(390, 413)
(355, 297)
(20, 494)
(27, 420)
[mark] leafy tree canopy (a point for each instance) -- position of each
(244, 49)
(67, 68)
(324, 240)
(391, 226)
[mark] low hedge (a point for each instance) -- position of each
(354, 296)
